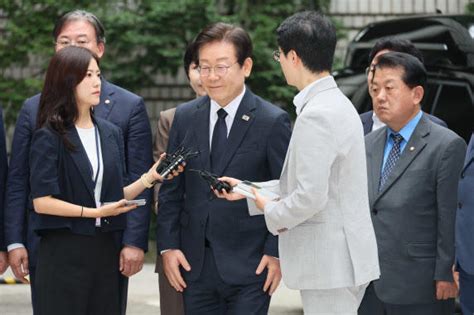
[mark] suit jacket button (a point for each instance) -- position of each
(462, 175)
(460, 205)
(375, 211)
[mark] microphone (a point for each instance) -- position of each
(171, 162)
(212, 180)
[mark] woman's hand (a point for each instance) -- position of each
(153, 175)
(231, 196)
(114, 208)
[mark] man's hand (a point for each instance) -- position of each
(18, 259)
(231, 196)
(131, 260)
(172, 259)
(3, 262)
(273, 275)
(446, 290)
(260, 201)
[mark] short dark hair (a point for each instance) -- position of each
(414, 72)
(57, 105)
(80, 15)
(312, 36)
(397, 45)
(233, 34)
(189, 57)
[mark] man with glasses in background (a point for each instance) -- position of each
(119, 106)
(223, 260)
(370, 120)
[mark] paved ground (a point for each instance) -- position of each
(142, 299)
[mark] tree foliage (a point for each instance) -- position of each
(470, 8)
(144, 37)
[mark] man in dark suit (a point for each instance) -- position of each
(228, 259)
(3, 178)
(370, 121)
(464, 239)
(413, 165)
(119, 106)
(171, 301)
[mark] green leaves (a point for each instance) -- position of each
(143, 38)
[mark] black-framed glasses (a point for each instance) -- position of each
(276, 55)
(219, 70)
(370, 69)
(65, 42)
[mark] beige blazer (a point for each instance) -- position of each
(163, 127)
(326, 237)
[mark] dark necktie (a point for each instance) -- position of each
(392, 159)
(219, 140)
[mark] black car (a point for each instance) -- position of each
(447, 43)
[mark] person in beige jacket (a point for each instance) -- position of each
(326, 238)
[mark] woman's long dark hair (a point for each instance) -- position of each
(57, 106)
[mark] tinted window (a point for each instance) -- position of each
(453, 103)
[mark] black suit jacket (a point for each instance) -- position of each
(118, 106)
(257, 146)
(368, 122)
(66, 175)
(3, 178)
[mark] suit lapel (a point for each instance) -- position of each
(201, 128)
(239, 129)
(368, 124)
(107, 101)
(374, 161)
(416, 144)
(107, 142)
(79, 156)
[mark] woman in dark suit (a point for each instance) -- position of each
(78, 186)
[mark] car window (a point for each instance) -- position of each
(453, 103)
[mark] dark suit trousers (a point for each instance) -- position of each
(32, 271)
(372, 305)
(210, 295)
(77, 274)
(123, 291)
(171, 301)
(466, 291)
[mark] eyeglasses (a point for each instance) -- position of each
(276, 55)
(65, 42)
(370, 69)
(219, 70)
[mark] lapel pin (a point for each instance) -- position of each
(245, 117)
(412, 148)
(107, 101)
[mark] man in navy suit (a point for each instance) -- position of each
(119, 106)
(464, 240)
(227, 258)
(3, 178)
(370, 121)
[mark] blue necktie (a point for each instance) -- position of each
(392, 159)
(219, 140)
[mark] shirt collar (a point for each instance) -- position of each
(377, 123)
(300, 99)
(231, 108)
(408, 129)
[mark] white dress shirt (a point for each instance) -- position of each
(231, 110)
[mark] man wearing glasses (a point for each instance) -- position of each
(227, 258)
(370, 120)
(118, 106)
